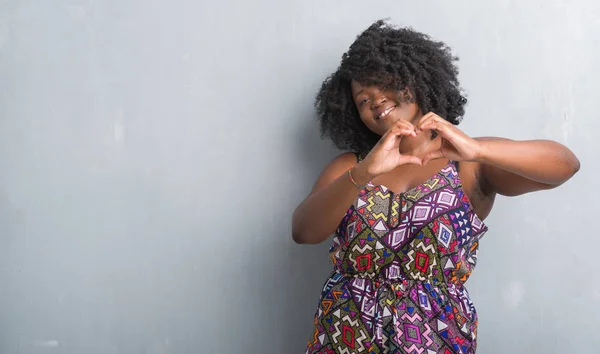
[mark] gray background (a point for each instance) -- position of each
(152, 153)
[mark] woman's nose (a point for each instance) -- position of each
(378, 100)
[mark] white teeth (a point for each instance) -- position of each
(385, 113)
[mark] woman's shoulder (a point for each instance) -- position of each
(336, 167)
(342, 162)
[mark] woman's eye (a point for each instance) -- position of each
(363, 101)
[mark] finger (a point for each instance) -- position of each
(388, 138)
(404, 124)
(403, 130)
(394, 136)
(390, 132)
(433, 125)
(401, 127)
(425, 120)
(434, 155)
(406, 132)
(431, 117)
(426, 116)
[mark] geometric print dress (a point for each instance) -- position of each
(400, 262)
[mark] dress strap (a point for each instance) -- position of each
(456, 165)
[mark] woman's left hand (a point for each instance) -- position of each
(455, 145)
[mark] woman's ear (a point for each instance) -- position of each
(406, 95)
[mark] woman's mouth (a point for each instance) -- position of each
(385, 113)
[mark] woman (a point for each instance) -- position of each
(406, 205)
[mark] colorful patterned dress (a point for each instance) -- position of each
(400, 264)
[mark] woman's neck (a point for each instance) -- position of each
(421, 145)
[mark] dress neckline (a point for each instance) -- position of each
(412, 189)
(459, 188)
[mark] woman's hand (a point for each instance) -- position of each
(385, 155)
(455, 145)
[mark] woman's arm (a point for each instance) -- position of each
(516, 167)
(508, 167)
(318, 216)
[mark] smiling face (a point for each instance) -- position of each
(379, 107)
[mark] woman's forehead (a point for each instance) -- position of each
(370, 81)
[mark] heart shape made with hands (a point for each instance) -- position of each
(453, 144)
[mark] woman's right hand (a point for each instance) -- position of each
(385, 155)
(318, 216)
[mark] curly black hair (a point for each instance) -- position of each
(393, 57)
